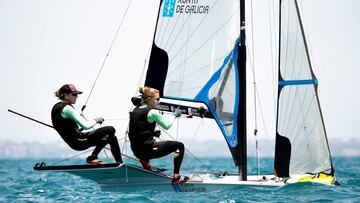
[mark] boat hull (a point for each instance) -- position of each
(127, 177)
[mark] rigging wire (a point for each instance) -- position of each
(255, 90)
(252, 63)
(81, 153)
(168, 134)
(272, 55)
(258, 97)
(190, 171)
(163, 137)
(107, 158)
(106, 56)
(71, 157)
(141, 80)
(196, 132)
(135, 159)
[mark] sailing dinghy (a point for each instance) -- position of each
(198, 55)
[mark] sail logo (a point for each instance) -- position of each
(184, 7)
(169, 8)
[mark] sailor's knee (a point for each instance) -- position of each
(109, 133)
(111, 130)
(181, 146)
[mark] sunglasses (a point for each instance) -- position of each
(156, 99)
(74, 94)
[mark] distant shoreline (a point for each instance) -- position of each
(210, 148)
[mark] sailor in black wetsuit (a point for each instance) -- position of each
(66, 120)
(143, 120)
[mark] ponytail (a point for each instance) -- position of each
(58, 95)
(147, 92)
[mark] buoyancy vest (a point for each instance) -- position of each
(141, 132)
(66, 127)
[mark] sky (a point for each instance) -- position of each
(47, 43)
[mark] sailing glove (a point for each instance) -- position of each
(177, 113)
(99, 120)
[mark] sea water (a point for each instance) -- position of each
(19, 183)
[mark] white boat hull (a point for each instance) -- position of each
(125, 177)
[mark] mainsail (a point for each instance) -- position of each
(194, 58)
(301, 142)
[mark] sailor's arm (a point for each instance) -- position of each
(69, 112)
(155, 116)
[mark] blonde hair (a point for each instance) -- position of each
(148, 91)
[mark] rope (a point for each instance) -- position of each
(196, 132)
(188, 151)
(107, 54)
(71, 157)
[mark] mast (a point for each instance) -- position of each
(241, 117)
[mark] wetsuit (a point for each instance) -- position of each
(141, 134)
(66, 122)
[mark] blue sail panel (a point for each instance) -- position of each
(298, 82)
(221, 96)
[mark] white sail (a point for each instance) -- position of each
(197, 35)
(194, 56)
(301, 145)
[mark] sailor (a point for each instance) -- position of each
(66, 121)
(143, 120)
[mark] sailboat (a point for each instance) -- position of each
(198, 56)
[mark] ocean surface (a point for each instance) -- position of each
(19, 183)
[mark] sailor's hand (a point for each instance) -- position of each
(177, 113)
(99, 120)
